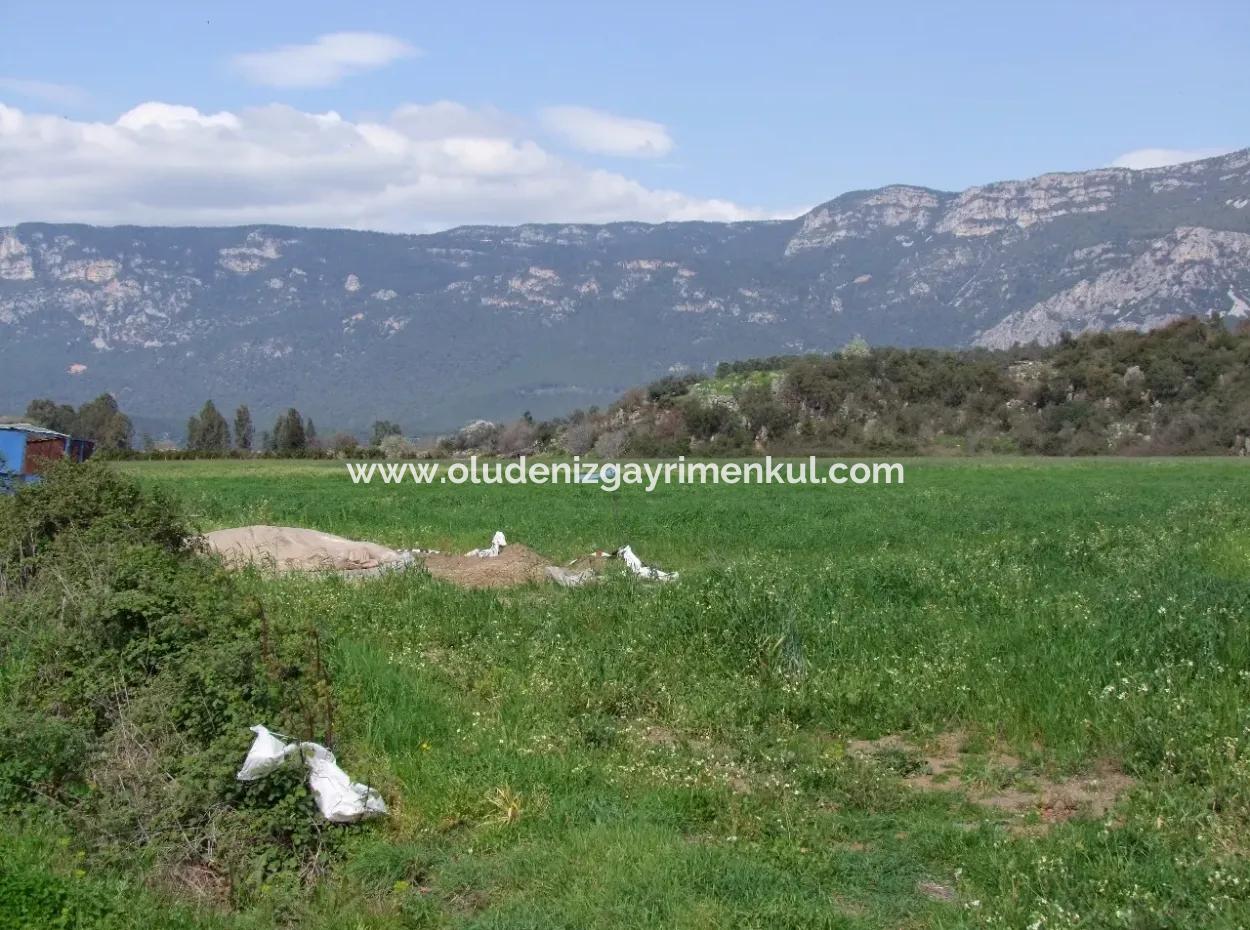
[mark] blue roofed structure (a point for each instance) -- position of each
(26, 449)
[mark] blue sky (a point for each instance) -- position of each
(587, 111)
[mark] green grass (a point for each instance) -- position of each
(732, 384)
(634, 755)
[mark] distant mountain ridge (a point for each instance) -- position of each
(435, 329)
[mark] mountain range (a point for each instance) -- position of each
(478, 321)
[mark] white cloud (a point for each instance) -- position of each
(606, 133)
(423, 167)
(322, 62)
(1140, 159)
(60, 94)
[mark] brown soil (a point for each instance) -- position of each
(945, 768)
(516, 564)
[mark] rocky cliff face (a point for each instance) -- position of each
(434, 329)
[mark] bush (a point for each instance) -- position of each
(394, 446)
(132, 667)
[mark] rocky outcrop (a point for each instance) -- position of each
(15, 263)
(1172, 278)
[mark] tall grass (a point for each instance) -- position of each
(676, 755)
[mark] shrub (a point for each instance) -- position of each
(394, 446)
(132, 667)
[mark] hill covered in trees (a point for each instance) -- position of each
(1183, 389)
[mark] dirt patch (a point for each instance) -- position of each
(936, 891)
(996, 779)
(1092, 795)
(657, 735)
(515, 565)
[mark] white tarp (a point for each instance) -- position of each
(567, 578)
(497, 542)
(634, 564)
(339, 799)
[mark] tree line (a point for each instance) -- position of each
(292, 434)
(99, 420)
(1182, 389)
(209, 433)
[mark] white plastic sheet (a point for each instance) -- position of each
(266, 755)
(497, 542)
(339, 799)
(570, 579)
(634, 564)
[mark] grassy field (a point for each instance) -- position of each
(698, 754)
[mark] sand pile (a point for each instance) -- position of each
(291, 549)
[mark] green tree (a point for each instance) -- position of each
(289, 435)
(102, 421)
(243, 430)
(310, 434)
(51, 415)
(382, 429)
(208, 430)
(856, 348)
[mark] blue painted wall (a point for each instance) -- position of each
(12, 451)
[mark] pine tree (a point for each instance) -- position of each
(243, 431)
(208, 431)
(288, 433)
(310, 434)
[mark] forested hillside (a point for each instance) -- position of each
(1184, 389)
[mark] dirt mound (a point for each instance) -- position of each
(291, 549)
(515, 564)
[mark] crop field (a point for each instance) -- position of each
(1007, 693)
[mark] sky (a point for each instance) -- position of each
(417, 116)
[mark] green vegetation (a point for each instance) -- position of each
(1180, 390)
(290, 435)
(677, 755)
(99, 420)
(244, 432)
(131, 667)
(1184, 389)
(208, 431)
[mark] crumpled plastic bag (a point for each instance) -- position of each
(339, 799)
(497, 542)
(266, 755)
(634, 564)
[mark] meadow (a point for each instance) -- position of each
(1007, 693)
